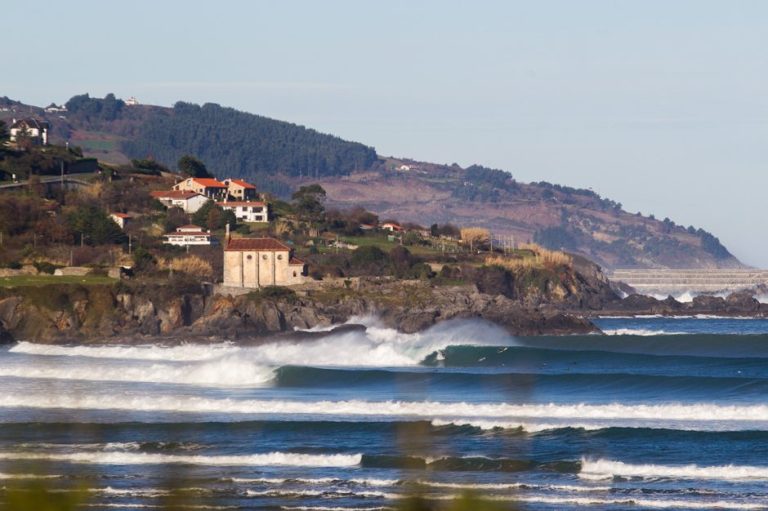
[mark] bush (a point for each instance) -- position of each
(273, 293)
(191, 265)
(44, 267)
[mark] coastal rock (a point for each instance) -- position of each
(706, 303)
(742, 302)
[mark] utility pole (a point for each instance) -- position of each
(130, 240)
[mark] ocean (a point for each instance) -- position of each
(661, 413)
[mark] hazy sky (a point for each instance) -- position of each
(660, 105)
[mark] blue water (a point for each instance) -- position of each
(664, 414)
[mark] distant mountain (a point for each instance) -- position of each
(279, 156)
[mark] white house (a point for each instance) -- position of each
(391, 226)
(189, 202)
(259, 262)
(248, 211)
(207, 186)
(132, 101)
(120, 219)
(189, 235)
(36, 131)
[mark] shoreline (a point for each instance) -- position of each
(143, 312)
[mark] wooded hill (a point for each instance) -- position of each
(279, 156)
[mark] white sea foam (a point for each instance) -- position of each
(681, 416)
(316, 481)
(30, 476)
(633, 502)
(326, 494)
(607, 469)
(180, 353)
(515, 486)
(230, 365)
(645, 332)
(229, 370)
(132, 458)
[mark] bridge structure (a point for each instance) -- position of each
(695, 281)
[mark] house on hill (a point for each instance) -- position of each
(247, 211)
(189, 235)
(121, 219)
(36, 131)
(189, 202)
(206, 186)
(259, 262)
(240, 190)
(392, 227)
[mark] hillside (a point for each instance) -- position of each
(279, 156)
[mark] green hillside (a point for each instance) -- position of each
(229, 141)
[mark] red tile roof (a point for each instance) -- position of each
(174, 194)
(296, 261)
(120, 215)
(208, 182)
(242, 183)
(240, 203)
(256, 244)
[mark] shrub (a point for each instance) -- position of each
(273, 293)
(191, 265)
(44, 267)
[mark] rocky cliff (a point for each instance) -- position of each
(78, 313)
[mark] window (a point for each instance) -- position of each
(264, 257)
(280, 256)
(249, 257)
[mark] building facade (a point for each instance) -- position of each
(248, 211)
(189, 202)
(36, 131)
(259, 262)
(240, 190)
(189, 235)
(208, 187)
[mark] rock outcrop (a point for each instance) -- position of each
(76, 313)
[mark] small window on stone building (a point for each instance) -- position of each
(264, 257)
(280, 256)
(249, 257)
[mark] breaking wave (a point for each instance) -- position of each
(608, 469)
(695, 417)
(133, 458)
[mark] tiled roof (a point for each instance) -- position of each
(174, 194)
(296, 261)
(121, 215)
(240, 203)
(256, 244)
(208, 182)
(189, 226)
(242, 183)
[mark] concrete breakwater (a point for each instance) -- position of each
(678, 281)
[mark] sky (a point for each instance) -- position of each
(661, 105)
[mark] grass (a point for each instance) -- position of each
(44, 280)
(386, 245)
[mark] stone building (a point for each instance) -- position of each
(259, 262)
(240, 190)
(205, 186)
